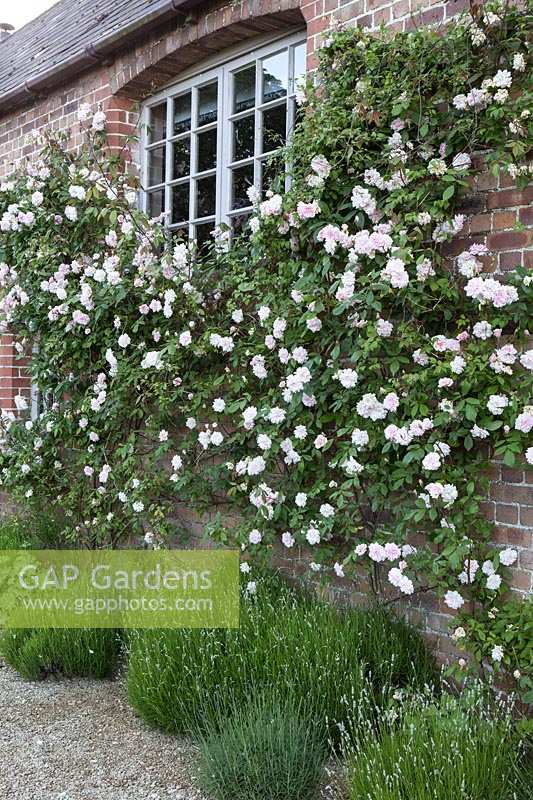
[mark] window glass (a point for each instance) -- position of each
(206, 149)
(242, 179)
(270, 169)
(275, 76)
(203, 233)
(207, 104)
(180, 234)
(244, 89)
(243, 137)
(156, 166)
(206, 189)
(274, 127)
(157, 125)
(182, 113)
(300, 57)
(180, 202)
(181, 158)
(238, 223)
(155, 203)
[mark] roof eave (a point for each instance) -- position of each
(95, 52)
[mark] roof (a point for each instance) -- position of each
(74, 34)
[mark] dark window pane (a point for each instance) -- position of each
(179, 234)
(202, 233)
(300, 57)
(242, 178)
(180, 202)
(275, 75)
(238, 223)
(299, 114)
(181, 158)
(207, 104)
(207, 150)
(206, 190)
(156, 166)
(274, 128)
(244, 89)
(243, 138)
(155, 203)
(157, 127)
(271, 168)
(182, 113)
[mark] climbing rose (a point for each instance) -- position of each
(453, 600)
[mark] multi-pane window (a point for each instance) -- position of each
(213, 136)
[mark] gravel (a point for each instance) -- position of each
(79, 740)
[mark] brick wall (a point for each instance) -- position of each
(495, 205)
(398, 14)
(13, 373)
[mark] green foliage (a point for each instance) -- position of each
(15, 535)
(39, 653)
(301, 649)
(523, 780)
(464, 747)
(34, 529)
(333, 381)
(511, 627)
(266, 749)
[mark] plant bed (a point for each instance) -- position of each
(311, 652)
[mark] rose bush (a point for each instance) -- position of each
(335, 380)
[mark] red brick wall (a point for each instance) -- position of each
(495, 205)
(398, 14)
(13, 373)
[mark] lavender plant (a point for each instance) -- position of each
(464, 747)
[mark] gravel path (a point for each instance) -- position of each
(79, 740)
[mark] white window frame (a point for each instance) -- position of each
(221, 68)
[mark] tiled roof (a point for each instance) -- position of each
(70, 29)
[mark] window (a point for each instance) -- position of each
(211, 137)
